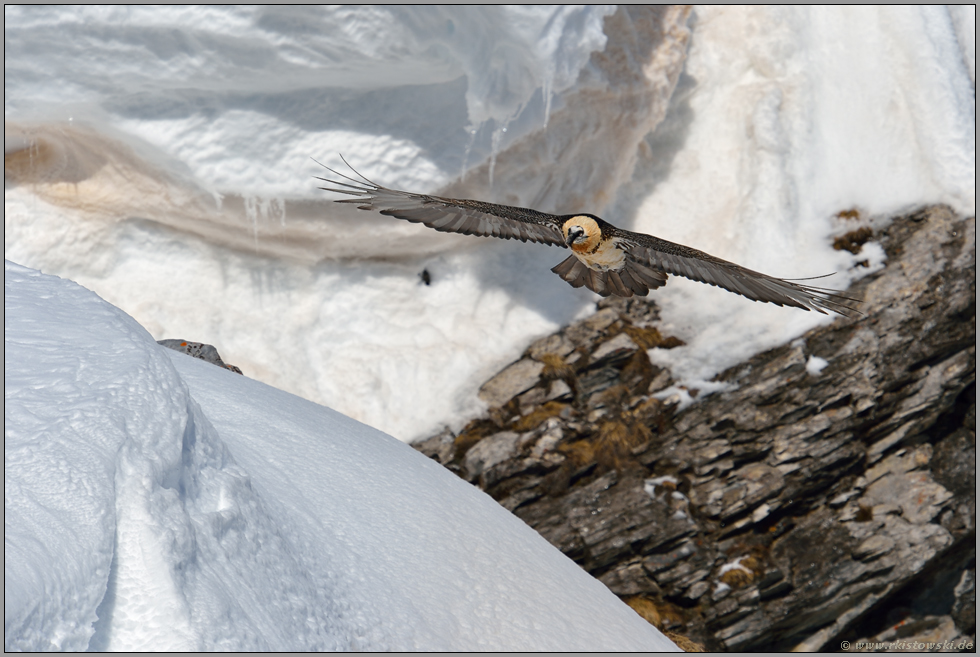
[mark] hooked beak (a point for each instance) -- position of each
(574, 233)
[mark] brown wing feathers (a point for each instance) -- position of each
(451, 215)
(699, 266)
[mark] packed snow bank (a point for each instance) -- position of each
(164, 162)
(157, 502)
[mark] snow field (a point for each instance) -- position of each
(157, 502)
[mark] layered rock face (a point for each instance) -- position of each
(827, 496)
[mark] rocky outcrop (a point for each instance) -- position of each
(803, 507)
(205, 352)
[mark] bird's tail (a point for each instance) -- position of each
(631, 279)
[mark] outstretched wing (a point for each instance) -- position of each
(449, 215)
(680, 260)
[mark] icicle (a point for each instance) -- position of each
(252, 214)
(466, 152)
(546, 93)
(494, 146)
(279, 205)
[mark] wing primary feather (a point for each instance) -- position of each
(667, 257)
(346, 177)
(446, 214)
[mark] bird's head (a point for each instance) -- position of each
(574, 234)
(582, 233)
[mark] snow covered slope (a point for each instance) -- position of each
(161, 157)
(156, 502)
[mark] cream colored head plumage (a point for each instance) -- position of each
(582, 233)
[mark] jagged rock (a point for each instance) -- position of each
(586, 331)
(514, 380)
(800, 507)
(556, 344)
(619, 347)
(964, 611)
(629, 579)
(873, 548)
(441, 447)
(200, 350)
(489, 452)
(919, 497)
